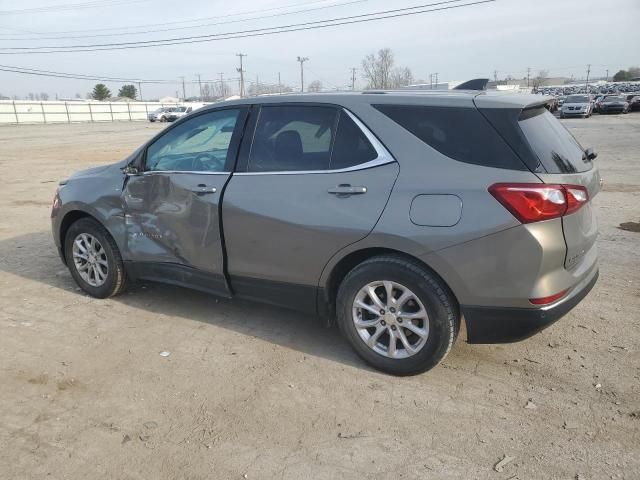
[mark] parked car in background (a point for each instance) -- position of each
(178, 112)
(160, 115)
(393, 213)
(576, 106)
(614, 104)
(634, 103)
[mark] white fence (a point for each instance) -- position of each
(24, 111)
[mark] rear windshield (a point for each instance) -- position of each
(459, 133)
(555, 147)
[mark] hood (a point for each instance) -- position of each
(580, 104)
(95, 171)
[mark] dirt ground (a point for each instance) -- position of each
(250, 391)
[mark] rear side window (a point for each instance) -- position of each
(459, 133)
(293, 138)
(555, 147)
(351, 147)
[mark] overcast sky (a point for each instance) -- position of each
(561, 36)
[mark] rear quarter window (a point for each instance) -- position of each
(557, 150)
(458, 132)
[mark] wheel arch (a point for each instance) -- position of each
(327, 299)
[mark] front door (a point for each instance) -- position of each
(173, 228)
(314, 182)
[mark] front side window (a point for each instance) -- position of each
(200, 144)
(293, 138)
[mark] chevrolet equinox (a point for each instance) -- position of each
(396, 213)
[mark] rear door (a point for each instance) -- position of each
(173, 227)
(565, 162)
(312, 181)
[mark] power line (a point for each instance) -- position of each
(76, 76)
(189, 27)
(69, 6)
(353, 19)
(177, 22)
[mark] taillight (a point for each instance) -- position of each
(534, 202)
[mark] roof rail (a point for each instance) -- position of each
(475, 84)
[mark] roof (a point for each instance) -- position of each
(460, 98)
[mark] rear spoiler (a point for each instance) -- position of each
(475, 84)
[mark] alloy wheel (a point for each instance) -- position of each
(390, 319)
(90, 259)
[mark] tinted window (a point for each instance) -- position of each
(351, 146)
(199, 144)
(459, 133)
(293, 138)
(555, 147)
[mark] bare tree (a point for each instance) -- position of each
(376, 69)
(222, 89)
(315, 86)
(401, 77)
(207, 92)
(44, 96)
(538, 80)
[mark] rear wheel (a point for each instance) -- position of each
(399, 317)
(94, 259)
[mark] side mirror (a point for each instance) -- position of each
(591, 155)
(131, 169)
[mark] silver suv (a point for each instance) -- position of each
(396, 213)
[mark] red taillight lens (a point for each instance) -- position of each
(549, 299)
(577, 196)
(534, 202)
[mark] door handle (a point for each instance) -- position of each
(202, 189)
(344, 190)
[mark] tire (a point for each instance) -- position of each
(115, 279)
(431, 294)
(163, 119)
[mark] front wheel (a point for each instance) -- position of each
(93, 259)
(399, 317)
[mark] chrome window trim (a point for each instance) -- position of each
(195, 172)
(383, 157)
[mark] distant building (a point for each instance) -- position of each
(169, 100)
(432, 86)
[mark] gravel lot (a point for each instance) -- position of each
(256, 392)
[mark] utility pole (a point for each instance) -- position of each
(302, 60)
(528, 75)
(184, 94)
(436, 75)
(607, 74)
(431, 81)
(353, 79)
(200, 85)
(222, 89)
(140, 90)
(586, 87)
(495, 76)
(279, 85)
(241, 72)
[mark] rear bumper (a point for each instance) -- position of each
(506, 325)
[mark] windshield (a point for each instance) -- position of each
(555, 147)
(614, 98)
(577, 99)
